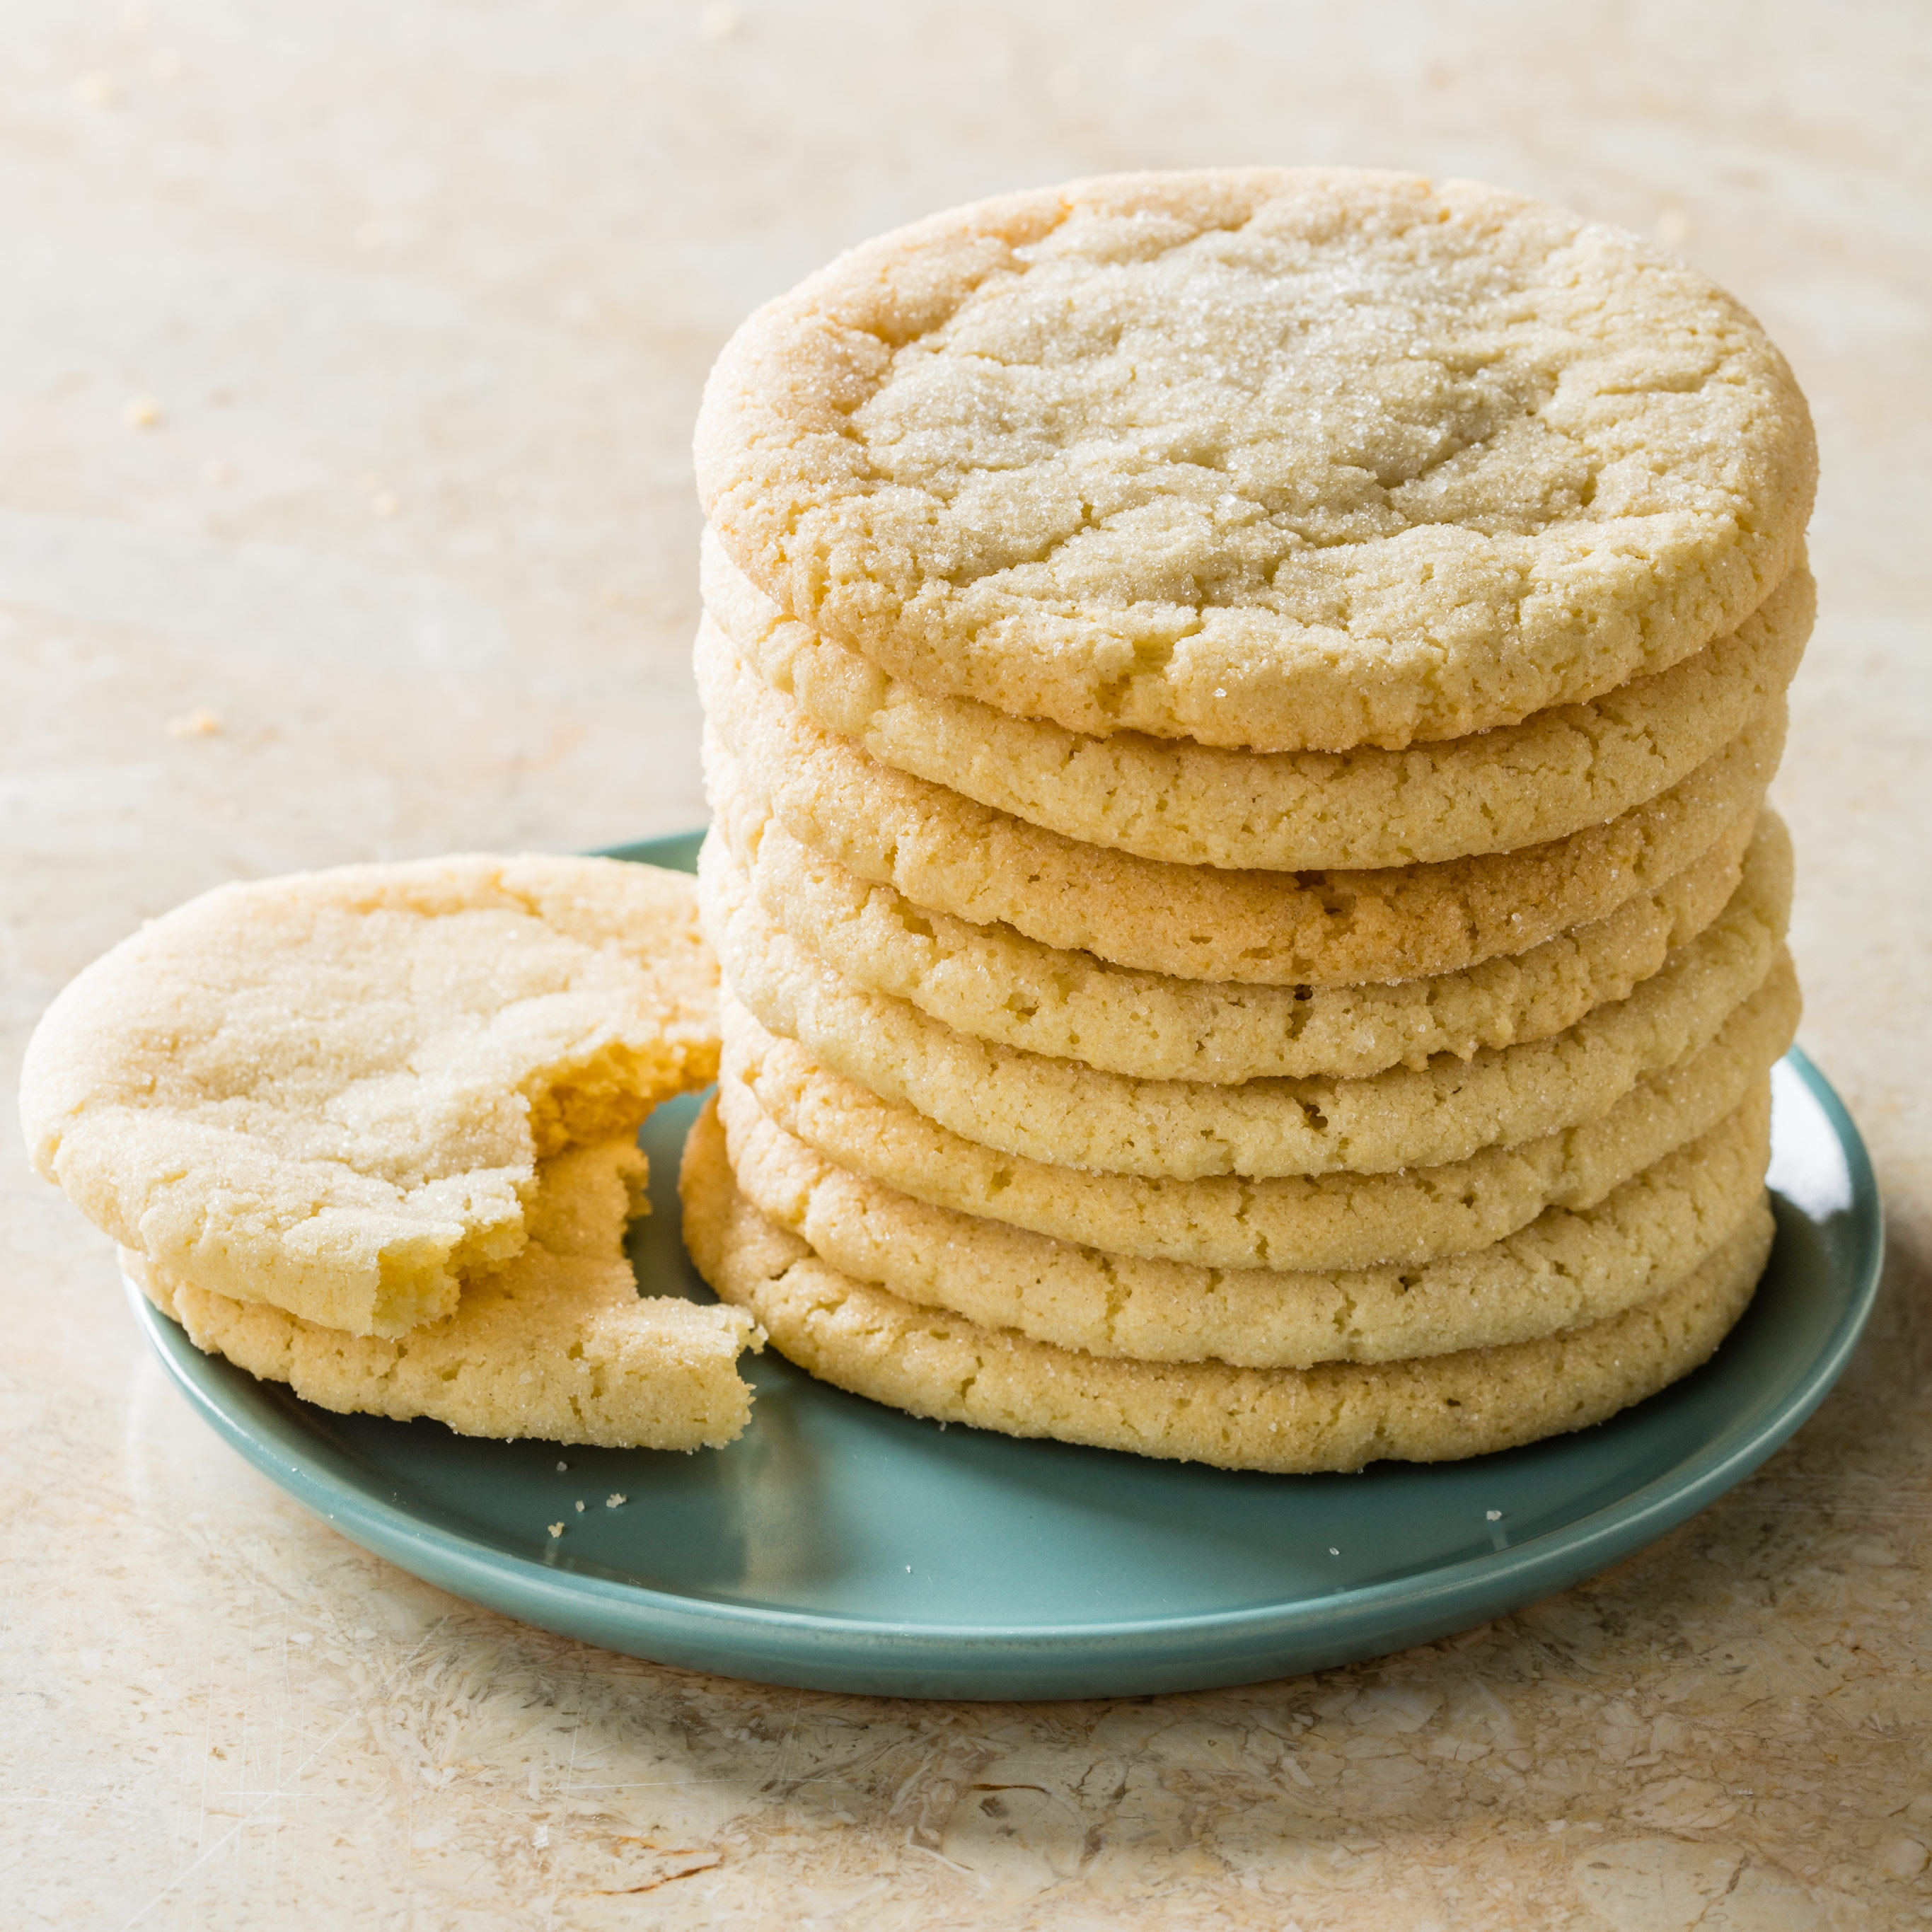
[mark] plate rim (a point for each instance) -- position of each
(807, 1641)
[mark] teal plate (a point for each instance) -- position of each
(839, 1545)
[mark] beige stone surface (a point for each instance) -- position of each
(348, 361)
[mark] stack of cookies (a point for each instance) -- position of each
(1239, 706)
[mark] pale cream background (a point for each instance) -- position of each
(349, 349)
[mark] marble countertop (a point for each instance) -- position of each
(349, 356)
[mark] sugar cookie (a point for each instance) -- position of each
(1065, 1113)
(1339, 1415)
(995, 983)
(1555, 773)
(1297, 1222)
(763, 758)
(1568, 1268)
(555, 1343)
(329, 1092)
(1269, 458)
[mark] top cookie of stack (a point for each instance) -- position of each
(1176, 641)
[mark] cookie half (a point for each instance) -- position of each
(1334, 1416)
(1296, 1223)
(1064, 1112)
(1567, 1268)
(763, 758)
(1168, 799)
(995, 983)
(556, 1343)
(1273, 459)
(329, 1092)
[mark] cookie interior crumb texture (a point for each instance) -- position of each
(330, 1092)
(555, 1343)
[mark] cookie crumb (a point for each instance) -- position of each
(1493, 1516)
(557, 1529)
(561, 1467)
(615, 1500)
(580, 1505)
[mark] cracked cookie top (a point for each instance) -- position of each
(1271, 459)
